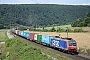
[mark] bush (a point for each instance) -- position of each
(10, 42)
(69, 30)
(53, 29)
(22, 28)
(60, 30)
(78, 30)
(45, 30)
(88, 51)
(89, 25)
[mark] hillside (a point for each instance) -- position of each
(85, 22)
(40, 14)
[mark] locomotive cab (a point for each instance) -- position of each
(72, 46)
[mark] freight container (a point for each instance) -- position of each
(35, 37)
(32, 36)
(45, 39)
(27, 35)
(16, 31)
(22, 33)
(39, 38)
(51, 37)
(19, 33)
(59, 43)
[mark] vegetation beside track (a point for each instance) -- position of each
(3, 35)
(3, 38)
(21, 50)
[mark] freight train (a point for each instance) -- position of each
(67, 45)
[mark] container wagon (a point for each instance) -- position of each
(46, 39)
(39, 38)
(35, 37)
(32, 36)
(27, 35)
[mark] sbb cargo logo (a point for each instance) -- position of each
(55, 43)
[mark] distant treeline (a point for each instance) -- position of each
(53, 29)
(85, 22)
(39, 14)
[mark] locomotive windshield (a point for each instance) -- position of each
(72, 43)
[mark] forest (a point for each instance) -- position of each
(37, 15)
(82, 22)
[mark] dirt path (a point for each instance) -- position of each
(9, 35)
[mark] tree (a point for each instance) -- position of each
(60, 30)
(53, 29)
(86, 21)
(1, 26)
(82, 22)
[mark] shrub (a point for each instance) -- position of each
(78, 30)
(69, 30)
(60, 30)
(10, 42)
(53, 29)
(88, 51)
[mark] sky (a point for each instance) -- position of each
(66, 2)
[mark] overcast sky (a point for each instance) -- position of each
(68, 2)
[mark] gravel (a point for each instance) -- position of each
(9, 35)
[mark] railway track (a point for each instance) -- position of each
(73, 57)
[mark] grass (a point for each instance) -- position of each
(85, 29)
(84, 51)
(56, 27)
(3, 36)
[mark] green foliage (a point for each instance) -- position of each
(82, 22)
(1, 26)
(10, 42)
(84, 50)
(60, 30)
(53, 29)
(88, 51)
(78, 30)
(40, 14)
(7, 56)
(23, 51)
(68, 30)
(89, 25)
(88, 14)
(22, 28)
(45, 30)
(3, 35)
